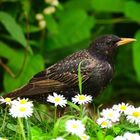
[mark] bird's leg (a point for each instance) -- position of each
(89, 110)
(60, 112)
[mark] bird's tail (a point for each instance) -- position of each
(20, 92)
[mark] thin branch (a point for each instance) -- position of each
(113, 21)
(7, 69)
(28, 44)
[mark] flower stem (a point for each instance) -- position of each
(4, 122)
(55, 114)
(81, 111)
(28, 129)
(21, 128)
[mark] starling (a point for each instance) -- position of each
(97, 68)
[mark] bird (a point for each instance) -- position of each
(96, 67)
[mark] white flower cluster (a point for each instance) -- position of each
(76, 127)
(20, 108)
(128, 136)
(24, 108)
(112, 115)
(60, 100)
(3, 138)
(46, 11)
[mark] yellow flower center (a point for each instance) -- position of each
(123, 107)
(74, 126)
(23, 101)
(22, 109)
(136, 114)
(82, 97)
(7, 100)
(104, 123)
(57, 99)
(132, 138)
(84, 137)
(110, 114)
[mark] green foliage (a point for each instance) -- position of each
(26, 48)
(109, 5)
(109, 137)
(80, 77)
(73, 27)
(48, 129)
(6, 51)
(23, 65)
(136, 55)
(37, 134)
(132, 10)
(100, 135)
(13, 28)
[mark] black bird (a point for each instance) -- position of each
(97, 68)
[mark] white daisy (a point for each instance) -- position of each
(5, 100)
(82, 99)
(23, 101)
(21, 108)
(59, 138)
(131, 136)
(84, 137)
(57, 100)
(3, 138)
(75, 127)
(121, 107)
(104, 123)
(110, 114)
(133, 115)
(119, 138)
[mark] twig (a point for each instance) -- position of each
(111, 21)
(7, 69)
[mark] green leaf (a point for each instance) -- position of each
(37, 134)
(130, 127)
(132, 10)
(79, 4)
(116, 130)
(32, 65)
(136, 55)
(73, 106)
(14, 29)
(100, 135)
(74, 26)
(73, 137)
(109, 5)
(80, 77)
(33, 29)
(6, 51)
(52, 25)
(59, 126)
(109, 137)
(12, 127)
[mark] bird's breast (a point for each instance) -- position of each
(99, 78)
(103, 72)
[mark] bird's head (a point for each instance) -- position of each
(106, 45)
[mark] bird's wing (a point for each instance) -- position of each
(60, 76)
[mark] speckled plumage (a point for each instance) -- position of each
(96, 70)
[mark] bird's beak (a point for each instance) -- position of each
(125, 41)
